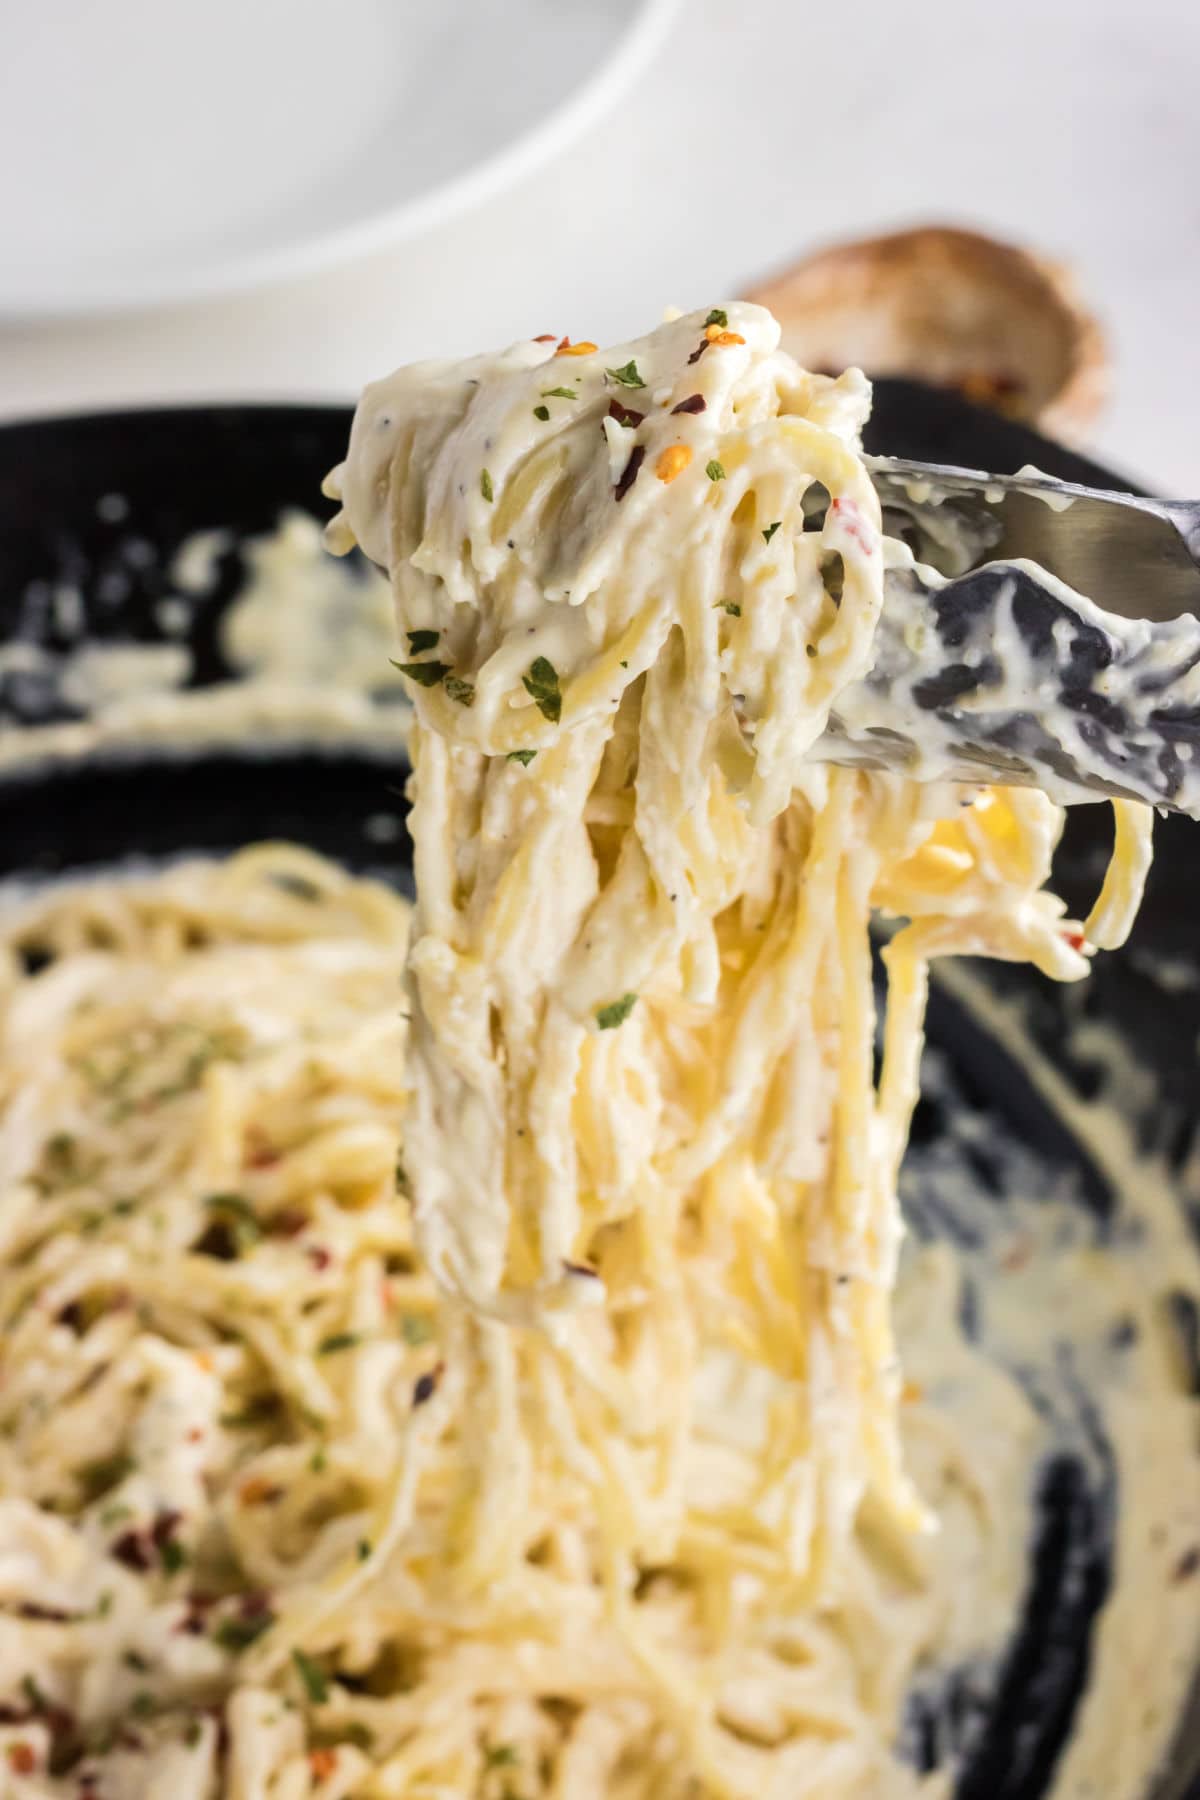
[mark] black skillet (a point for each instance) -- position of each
(180, 471)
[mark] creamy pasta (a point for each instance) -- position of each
(576, 1469)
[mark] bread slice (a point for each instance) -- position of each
(952, 307)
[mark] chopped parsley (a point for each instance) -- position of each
(414, 1329)
(421, 640)
(143, 1705)
(173, 1556)
(542, 413)
(460, 690)
(500, 1756)
(541, 683)
(616, 1012)
(237, 1634)
(718, 316)
(241, 1217)
(770, 531)
(627, 375)
(318, 1462)
(99, 1477)
(731, 607)
(191, 1736)
(426, 674)
(485, 486)
(340, 1340)
(524, 757)
(364, 1549)
(559, 394)
(34, 1694)
(714, 471)
(313, 1677)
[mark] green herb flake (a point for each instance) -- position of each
(34, 1694)
(313, 1677)
(541, 684)
(485, 487)
(104, 1604)
(318, 1462)
(627, 375)
(98, 1477)
(236, 1213)
(238, 1634)
(340, 1340)
(769, 533)
(364, 1549)
(173, 1556)
(460, 690)
(355, 1732)
(143, 1705)
(524, 757)
(415, 1330)
(616, 1012)
(135, 1661)
(542, 413)
(714, 471)
(191, 1736)
(237, 1204)
(731, 607)
(718, 316)
(419, 641)
(426, 674)
(501, 1756)
(559, 394)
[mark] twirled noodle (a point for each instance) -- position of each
(642, 1125)
(584, 1478)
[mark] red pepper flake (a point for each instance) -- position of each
(584, 347)
(1187, 1566)
(318, 1256)
(165, 1526)
(624, 415)
(425, 1388)
(699, 352)
(1017, 1255)
(22, 1758)
(258, 1491)
(545, 337)
(323, 1763)
(629, 474)
(672, 462)
(695, 403)
(1075, 939)
(849, 516)
(133, 1548)
(289, 1222)
(195, 1435)
(259, 1154)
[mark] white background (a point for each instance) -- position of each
(762, 129)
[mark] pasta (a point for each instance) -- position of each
(577, 1470)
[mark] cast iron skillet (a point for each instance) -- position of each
(179, 471)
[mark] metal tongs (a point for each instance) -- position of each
(1004, 671)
